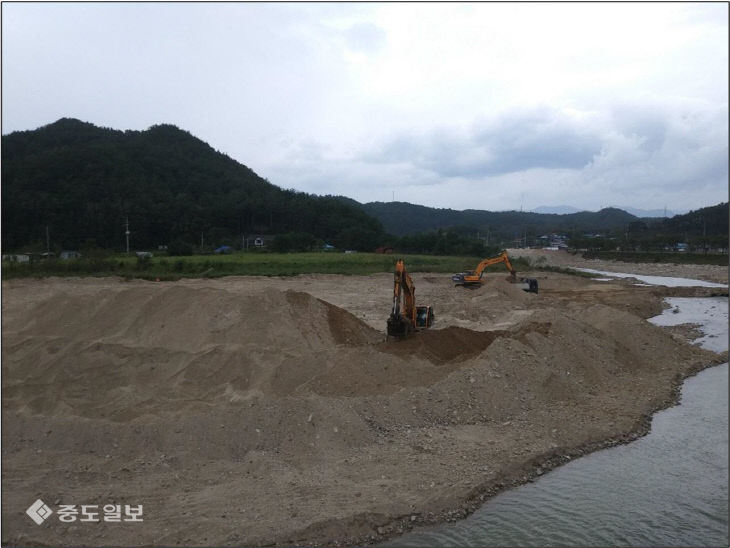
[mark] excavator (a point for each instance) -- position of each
(406, 317)
(472, 278)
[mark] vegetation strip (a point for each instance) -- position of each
(243, 264)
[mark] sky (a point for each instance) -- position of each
(456, 105)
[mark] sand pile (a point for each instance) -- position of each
(121, 354)
(251, 414)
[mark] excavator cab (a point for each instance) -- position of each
(424, 317)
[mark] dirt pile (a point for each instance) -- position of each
(148, 350)
(247, 412)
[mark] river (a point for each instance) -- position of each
(669, 488)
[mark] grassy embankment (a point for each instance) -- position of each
(244, 264)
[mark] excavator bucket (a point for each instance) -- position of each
(398, 326)
(529, 285)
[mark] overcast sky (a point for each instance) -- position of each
(484, 106)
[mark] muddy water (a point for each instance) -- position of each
(669, 488)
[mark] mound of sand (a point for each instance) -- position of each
(254, 414)
(121, 354)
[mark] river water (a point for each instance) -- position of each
(669, 488)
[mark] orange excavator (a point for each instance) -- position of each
(472, 278)
(406, 317)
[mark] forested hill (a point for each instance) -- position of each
(403, 218)
(707, 221)
(83, 181)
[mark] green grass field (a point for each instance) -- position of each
(245, 264)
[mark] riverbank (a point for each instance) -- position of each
(183, 396)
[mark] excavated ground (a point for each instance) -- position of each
(259, 411)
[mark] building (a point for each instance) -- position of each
(65, 255)
(256, 240)
(19, 258)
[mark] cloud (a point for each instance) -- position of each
(513, 141)
(365, 37)
(664, 146)
(632, 152)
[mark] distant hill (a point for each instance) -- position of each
(401, 218)
(707, 221)
(642, 213)
(83, 181)
(651, 213)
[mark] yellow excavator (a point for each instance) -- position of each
(406, 317)
(472, 278)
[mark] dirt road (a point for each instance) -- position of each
(259, 411)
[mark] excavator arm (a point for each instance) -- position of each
(501, 258)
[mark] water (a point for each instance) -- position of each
(711, 314)
(669, 488)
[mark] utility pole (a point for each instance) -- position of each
(48, 241)
(126, 232)
(201, 241)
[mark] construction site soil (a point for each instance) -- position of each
(273, 411)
